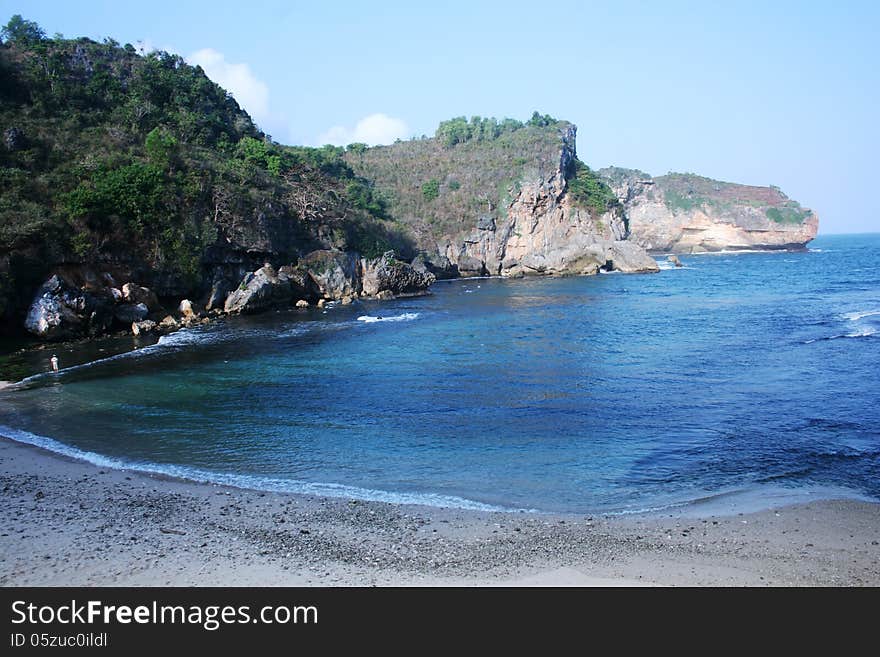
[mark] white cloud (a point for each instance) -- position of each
(372, 130)
(251, 93)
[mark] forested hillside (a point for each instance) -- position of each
(139, 164)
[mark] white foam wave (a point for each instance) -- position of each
(665, 265)
(860, 314)
(864, 333)
(646, 509)
(726, 252)
(252, 482)
(405, 317)
(184, 337)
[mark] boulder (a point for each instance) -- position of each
(129, 313)
(674, 260)
(146, 326)
(387, 274)
(186, 310)
(60, 311)
(258, 291)
(438, 264)
(335, 273)
(136, 294)
(169, 324)
(116, 293)
(471, 266)
(302, 303)
(629, 257)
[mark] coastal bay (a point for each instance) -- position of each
(400, 345)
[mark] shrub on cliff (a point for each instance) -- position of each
(589, 191)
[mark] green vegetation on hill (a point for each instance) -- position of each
(788, 214)
(109, 158)
(619, 175)
(470, 171)
(589, 191)
(459, 130)
(687, 191)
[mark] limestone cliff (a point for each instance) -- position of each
(685, 213)
(500, 206)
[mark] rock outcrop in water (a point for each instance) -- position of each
(686, 213)
(336, 273)
(328, 275)
(389, 275)
(63, 310)
(267, 288)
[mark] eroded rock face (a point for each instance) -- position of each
(683, 213)
(335, 273)
(220, 289)
(302, 285)
(60, 311)
(387, 274)
(541, 230)
(258, 291)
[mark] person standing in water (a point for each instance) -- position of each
(54, 361)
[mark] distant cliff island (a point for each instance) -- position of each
(137, 195)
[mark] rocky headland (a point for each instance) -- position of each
(502, 202)
(686, 213)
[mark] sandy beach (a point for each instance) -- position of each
(66, 522)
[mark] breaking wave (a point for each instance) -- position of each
(405, 317)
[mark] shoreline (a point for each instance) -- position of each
(69, 522)
(719, 503)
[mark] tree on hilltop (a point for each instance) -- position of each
(19, 30)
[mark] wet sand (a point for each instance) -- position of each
(65, 522)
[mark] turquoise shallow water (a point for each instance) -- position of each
(752, 374)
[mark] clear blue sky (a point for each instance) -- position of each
(783, 93)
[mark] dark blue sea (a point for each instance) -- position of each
(749, 378)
